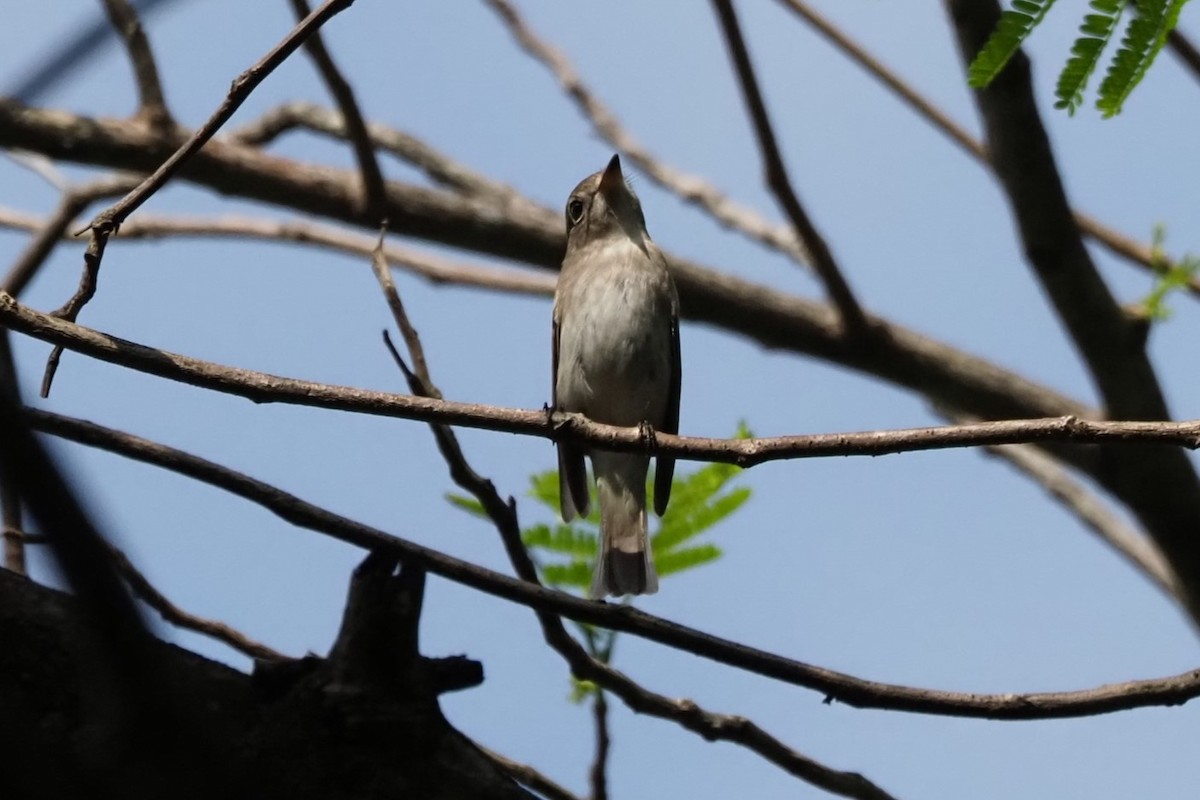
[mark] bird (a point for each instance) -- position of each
(615, 360)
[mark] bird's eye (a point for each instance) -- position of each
(575, 210)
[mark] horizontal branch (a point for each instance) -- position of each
(438, 270)
(836, 686)
(262, 387)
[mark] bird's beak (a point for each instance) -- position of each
(612, 180)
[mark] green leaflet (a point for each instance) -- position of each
(1144, 38)
(1171, 277)
(686, 558)
(1097, 29)
(1012, 29)
(563, 539)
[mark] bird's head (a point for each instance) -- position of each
(603, 206)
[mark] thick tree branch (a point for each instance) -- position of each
(1108, 341)
(852, 317)
(836, 686)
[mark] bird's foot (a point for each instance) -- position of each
(647, 435)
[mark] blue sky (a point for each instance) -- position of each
(941, 570)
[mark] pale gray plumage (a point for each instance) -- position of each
(616, 360)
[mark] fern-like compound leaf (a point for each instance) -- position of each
(1144, 38)
(1015, 25)
(1096, 31)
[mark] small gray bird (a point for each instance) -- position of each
(616, 360)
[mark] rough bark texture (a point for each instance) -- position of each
(346, 727)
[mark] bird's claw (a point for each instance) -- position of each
(647, 435)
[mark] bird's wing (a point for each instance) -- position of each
(664, 467)
(572, 472)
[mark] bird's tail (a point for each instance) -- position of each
(625, 565)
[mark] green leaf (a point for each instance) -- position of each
(582, 690)
(564, 539)
(1171, 277)
(1012, 29)
(681, 528)
(1144, 38)
(467, 504)
(686, 558)
(543, 487)
(1097, 29)
(576, 574)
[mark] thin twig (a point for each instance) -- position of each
(1135, 548)
(852, 317)
(437, 166)
(109, 221)
(598, 775)
(1185, 50)
(152, 106)
(1131, 544)
(1120, 244)
(692, 189)
(176, 616)
(412, 340)
(52, 230)
(111, 218)
(533, 778)
(343, 95)
(437, 270)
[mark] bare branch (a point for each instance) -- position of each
(356, 128)
(262, 387)
(692, 189)
(152, 105)
(852, 316)
(51, 231)
(418, 378)
(1185, 51)
(437, 166)
(434, 268)
(175, 615)
(1130, 543)
(1120, 244)
(1125, 540)
(598, 775)
(110, 219)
